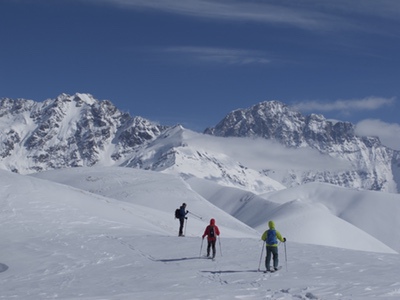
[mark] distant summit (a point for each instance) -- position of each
(375, 166)
(69, 131)
(277, 121)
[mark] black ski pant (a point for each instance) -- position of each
(181, 224)
(211, 244)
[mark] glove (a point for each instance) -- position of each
(202, 237)
(186, 218)
(187, 211)
(284, 239)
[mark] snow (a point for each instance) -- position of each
(109, 233)
(315, 213)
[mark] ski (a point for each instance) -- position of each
(273, 270)
(208, 257)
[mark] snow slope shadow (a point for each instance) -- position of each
(180, 259)
(3, 267)
(230, 271)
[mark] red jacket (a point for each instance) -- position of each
(207, 231)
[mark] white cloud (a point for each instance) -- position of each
(221, 55)
(389, 134)
(232, 10)
(384, 8)
(260, 154)
(307, 14)
(369, 103)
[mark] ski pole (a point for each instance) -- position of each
(195, 215)
(220, 248)
(201, 247)
(262, 251)
(285, 256)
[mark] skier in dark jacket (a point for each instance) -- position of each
(271, 237)
(211, 232)
(182, 217)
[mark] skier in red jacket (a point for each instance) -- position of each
(211, 232)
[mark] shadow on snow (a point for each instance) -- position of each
(3, 267)
(180, 259)
(230, 271)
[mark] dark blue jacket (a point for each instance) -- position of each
(182, 212)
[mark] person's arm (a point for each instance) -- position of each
(205, 232)
(279, 236)
(264, 236)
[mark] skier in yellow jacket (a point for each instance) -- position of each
(271, 237)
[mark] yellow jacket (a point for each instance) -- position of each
(271, 236)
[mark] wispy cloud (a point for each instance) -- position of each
(389, 134)
(306, 14)
(260, 154)
(226, 10)
(345, 106)
(219, 55)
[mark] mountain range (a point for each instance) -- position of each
(267, 147)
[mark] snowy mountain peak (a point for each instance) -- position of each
(68, 131)
(269, 119)
(374, 166)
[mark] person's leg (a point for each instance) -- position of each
(213, 248)
(208, 248)
(181, 223)
(275, 257)
(268, 258)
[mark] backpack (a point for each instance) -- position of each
(271, 237)
(177, 213)
(211, 232)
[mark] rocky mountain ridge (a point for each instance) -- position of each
(374, 166)
(78, 130)
(69, 131)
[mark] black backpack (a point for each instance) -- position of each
(177, 213)
(212, 233)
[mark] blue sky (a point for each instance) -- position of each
(191, 62)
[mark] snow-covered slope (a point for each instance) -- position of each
(63, 242)
(189, 154)
(160, 192)
(309, 214)
(316, 213)
(372, 212)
